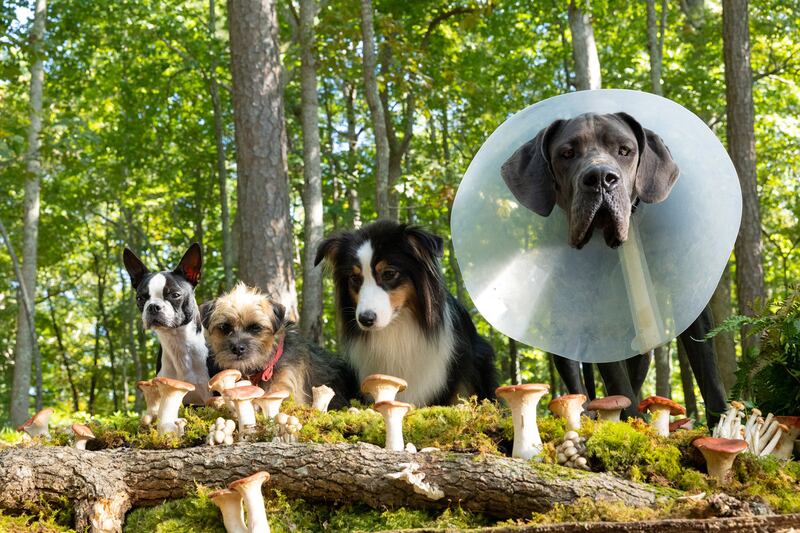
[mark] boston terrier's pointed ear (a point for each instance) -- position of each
(190, 265)
(136, 269)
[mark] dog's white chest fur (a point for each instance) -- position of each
(402, 350)
(183, 357)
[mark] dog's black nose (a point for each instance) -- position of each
(238, 348)
(154, 308)
(600, 176)
(367, 318)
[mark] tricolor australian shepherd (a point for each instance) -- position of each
(397, 318)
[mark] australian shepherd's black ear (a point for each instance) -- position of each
(397, 317)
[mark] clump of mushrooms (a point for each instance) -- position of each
(523, 399)
(82, 435)
(171, 392)
(572, 451)
(382, 387)
(151, 400)
(719, 454)
(39, 424)
(226, 379)
(221, 432)
(288, 428)
(322, 397)
(393, 413)
(230, 503)
(242, 400)
(660, 409)
(270, 403)
(610, 407)
(784, 448)
(250, 490)
(570, 407)
(730, 423)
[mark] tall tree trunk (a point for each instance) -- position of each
(694, 11)
(352, 156)
(311, 317)
(222, 173)
(63, 351)
(376, 112)
(513, 362)
(687, 382)
(25, 351)
(265, 229)
(663, 371)
(584, 49)
(655, 43)
(724, 344)
(742, 147)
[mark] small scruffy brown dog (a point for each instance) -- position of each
(247, 332)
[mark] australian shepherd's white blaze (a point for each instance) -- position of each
(397, 318)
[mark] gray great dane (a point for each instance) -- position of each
(597, 168)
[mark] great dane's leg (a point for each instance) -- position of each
(617, 381)
(570, 372)
(703, 361)
(638, 366)
(588, 380)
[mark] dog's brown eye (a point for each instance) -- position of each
(389, 274)
(254, 329)
(355, 279)
(225, 329)
(569, 153)
(624, 150)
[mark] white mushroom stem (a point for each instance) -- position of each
(767, 423)
(171, 400)
(609, 415)
(254, 503)
(527, 441)
(772, 442)
(322, 397)
(80, 442)
(245, 414)
(152, 400)
(230, 503)
(660, 419)
(719, 464)
(269, 406)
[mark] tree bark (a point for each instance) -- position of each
(352, 155)
(655, 43)
(103, 485)
(311, 310)
(513, 362)
(663, 360)
(25, 350)
(222, 172)
(63, 351)
(376, 112)
(742, 147)
(724, 344)
(584, 48)
(265, 229)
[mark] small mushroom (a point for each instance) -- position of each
(569, 406)
(719, 454)
(660, 409)
(382, 387)
(171, 392)
(38, 424)
(242, 399)
(151, 400)
(270, 403)
(782, 430)
(82, 435)
(221, 432)
(523, 399)
(250, 490)
(393, 413)
(224, 380)
(610, 407)
(322, 397)
(682, 423)
(216, 402)
(784, 448)
(230, 503)
(293, 427)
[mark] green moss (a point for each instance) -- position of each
(197, 513)
(30, 524)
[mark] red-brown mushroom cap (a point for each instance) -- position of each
(174, 383)
(674, 407)
(37, 418)
(678, 424)
(718, 445)
(82, 430)
(220, 376)
(377, 379)
(388, 405)
(567, 399)
(789, 421)
(246, 392)
(609, 403)
(141, 385)
(508, 390)
(258, 477)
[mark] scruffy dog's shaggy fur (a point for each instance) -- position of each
(244, 331)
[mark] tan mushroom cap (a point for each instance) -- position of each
(82, 430)
(141, 385)
(37, 418)
(509, 390)
(382, 379)
(247, 392)
(388, 405)
(678, 424)
(718, 445)
(674, 407)
(222, 493)
(277, 394)
(174, 383)
(565, 400)
(258, 477)
(789, 421)
(219, 376)
(609, 403)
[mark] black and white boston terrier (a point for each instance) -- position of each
(166, 300)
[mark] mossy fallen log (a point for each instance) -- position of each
(104, 485)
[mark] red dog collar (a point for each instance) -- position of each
(266, 374)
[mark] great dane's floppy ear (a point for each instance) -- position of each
(657, 172)
(528, 174)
